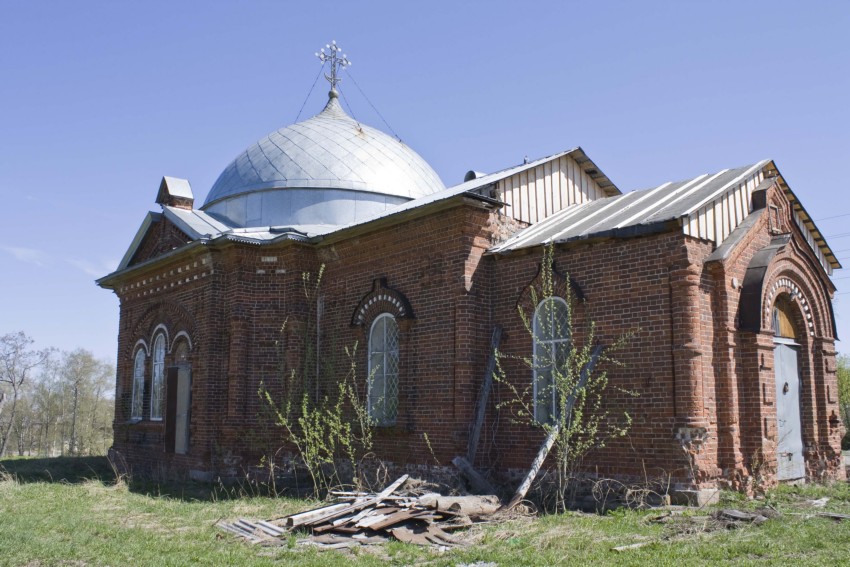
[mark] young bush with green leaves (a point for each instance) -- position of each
(842, 372)
(569, 386)
(320, 412)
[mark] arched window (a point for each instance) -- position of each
(181, 353)
(783, 318)
(551, 329)
(138, 394)
(158, 377)
(383, 370)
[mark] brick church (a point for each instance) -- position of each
(724, 278)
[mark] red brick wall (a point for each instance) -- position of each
(162, 237)
(692, 369)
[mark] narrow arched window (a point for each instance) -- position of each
(158, 377)
(383, 370)
(138, 392)
(551, 331)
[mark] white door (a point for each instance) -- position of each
(789, 448)
(181, 422)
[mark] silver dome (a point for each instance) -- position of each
(328, 169)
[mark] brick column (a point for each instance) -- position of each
(687, 349)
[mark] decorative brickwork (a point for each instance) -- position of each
(705, 414)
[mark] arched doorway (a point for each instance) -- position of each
(789, 449)
(179, 400)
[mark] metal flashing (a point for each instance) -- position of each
(149, 220)
(751, 291)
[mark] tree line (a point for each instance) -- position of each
(53, 403)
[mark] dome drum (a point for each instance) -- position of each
(301, 206)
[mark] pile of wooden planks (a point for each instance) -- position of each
(364, 518)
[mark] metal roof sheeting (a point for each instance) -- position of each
(176, 187)
(708, 207)
(197, 224)
(328, 151)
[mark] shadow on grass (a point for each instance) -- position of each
(69, 470)
(77, 470)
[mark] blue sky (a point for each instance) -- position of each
(99, 100)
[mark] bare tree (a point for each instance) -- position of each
(86, 378)
(17, 361)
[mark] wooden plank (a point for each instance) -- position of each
(407, 535)
(554, 188)
(834, 516)
(709, 221)
(622, 548)
(344, 529)
(392, 519)
(718, 223)
(375, 517)
(356, 507)
(435, 531)
(236, 530)
(564, 183)
(475, 506)
(553, 433)
(484, 395)
(478, 483)
(308, 516)
(544, 207)
(271, 529)
(530, 205)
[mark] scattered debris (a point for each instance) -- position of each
(834, 516)
(684, 524)
(631, 546)
(734, 517)
(363, 519)
(477, 482)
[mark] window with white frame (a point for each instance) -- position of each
(551, 330)
(382, 396)
(158, 377)
(137, 401)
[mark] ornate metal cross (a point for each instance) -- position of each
(337, 59)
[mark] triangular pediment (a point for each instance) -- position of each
(155, 237)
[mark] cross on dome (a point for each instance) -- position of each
(337, 59)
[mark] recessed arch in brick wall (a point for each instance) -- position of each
(382, 299)
(169, 316)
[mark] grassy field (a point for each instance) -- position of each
(71, 512)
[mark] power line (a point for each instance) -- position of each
(833, 217)
(353, 80)
(351, 110)
(310, 92)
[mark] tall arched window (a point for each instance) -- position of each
(137, 401)
(551, 329)
(158, 377)
(383, 370)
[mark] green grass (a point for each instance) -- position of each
(71, 512)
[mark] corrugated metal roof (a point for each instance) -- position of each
(630, 213)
